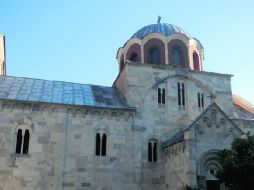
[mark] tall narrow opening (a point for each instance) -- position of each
(26, 142)
(98, 144)
(196, 61)
(19, 142)
(104, 145)
(154, 56)
(149, 151)
(176, 56)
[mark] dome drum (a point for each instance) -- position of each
(164, 44)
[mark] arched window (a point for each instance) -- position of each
(181, 95)
(161, 96)
(104, 145)
(26, 142)
(22, 141)
(154, 56)
(19, 142)
(196, 61)
(101, 144)
(134, 57)
(201, 100)
(98, 144)
(176, 56)
(152, 150)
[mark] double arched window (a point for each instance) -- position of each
(152, 150)
(101, 144)
(22, 141)
(154, 56)
(161, 96)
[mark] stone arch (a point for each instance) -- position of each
(154, 43)
(184, 76)
(163, 78)
(207, 166)
(181, 47)
(134, 49)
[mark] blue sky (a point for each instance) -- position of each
(77, 40)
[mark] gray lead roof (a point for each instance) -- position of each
(37, 90)
(163, 28)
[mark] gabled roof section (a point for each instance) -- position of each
(210, 107)
(59, 92)
(177, 137)
(243, 109)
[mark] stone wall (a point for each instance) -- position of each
(246, 125)
(177, 166)
(62, 148)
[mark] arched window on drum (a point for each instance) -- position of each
(154, 56)
(196, 61)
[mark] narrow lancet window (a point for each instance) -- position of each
(150, 152)
(159, 96)
(98, 144)
(163, 96)
(201, 100)
(26, 142)
(19, 142)
(181, 95)
(104, 145)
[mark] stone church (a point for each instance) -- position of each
(158, 127)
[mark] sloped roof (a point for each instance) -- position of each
(243, 109)
(38, 90)
(177, 137)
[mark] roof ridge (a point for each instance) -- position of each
(243, 103)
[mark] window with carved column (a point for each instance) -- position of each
(22, 141)
(101, 144)
(152, 150)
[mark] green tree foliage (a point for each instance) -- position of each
(237, 170)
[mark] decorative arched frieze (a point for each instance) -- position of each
(114, 115)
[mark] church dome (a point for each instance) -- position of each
(162, 44)
(162, 28)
